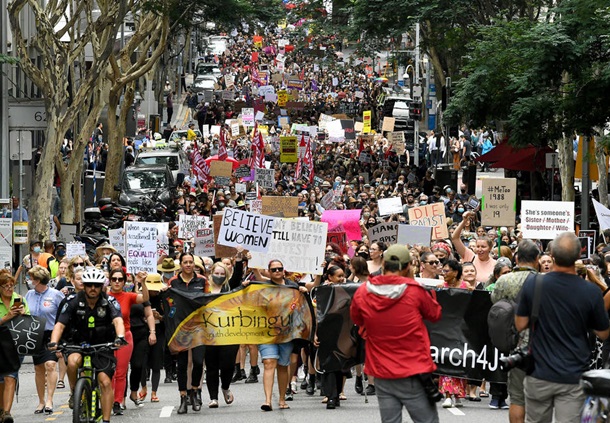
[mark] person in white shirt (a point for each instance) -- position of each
(433, 148)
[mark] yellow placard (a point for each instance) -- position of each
(366, 122)
(289, 150)
(282, 98)
(20, 232)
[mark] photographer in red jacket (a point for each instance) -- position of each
(390, 310)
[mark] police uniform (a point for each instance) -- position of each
(92, 325)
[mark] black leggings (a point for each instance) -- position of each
(139, 357)
(197, 372)
(219, 361)
(155, 362)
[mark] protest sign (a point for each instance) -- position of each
(324, 120)
(339, 238)
(388, 206)
(240, 188)
(247, 116)
(229, 80)
(249, 230)
(141, 247)
(366, 122)
(499, 201)
(328, 201)
(603, 214)
(384, 232)
(397, 140)
(591, 234)
(265, 178)
(260, 313)
(189, 224)
(388, 124)
(74, 249)
(414, 235)
(228, 95)
(358, 126)
(284, 206)
(243, 171)
(430, 215)
(300, 245)
(365, 157)
(220, 250)
(256, 206)
(282, 98)
(294, 84)
(204, 242)
(117, 240)
(250, 196)
(162, 238)
(288, 149)
(349, 219)
(218, 168)
(546, 219)
(348, 129)
(6, 233)
(28, 333)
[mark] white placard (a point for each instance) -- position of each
(300, 245)
(256, 206)
(204, 242)
(247, 116)
(239, 188)
(546, 219)
(414, 235)
(215, 130)
(6, 244)
(189, 224)
(388, 206)
(265, 178)
(249, 230)
(384, 232)
(74, 249)
(117, 240)
(141, 247)
(259, 116)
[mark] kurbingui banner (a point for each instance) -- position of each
(459, 342)
(261, 313)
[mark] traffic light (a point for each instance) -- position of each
(415, 110)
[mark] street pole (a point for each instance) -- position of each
(4, 140)
(586, 184)
(416, 78)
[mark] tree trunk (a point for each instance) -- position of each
(602, 183)
(566, 164)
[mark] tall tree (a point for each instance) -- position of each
(67, 80)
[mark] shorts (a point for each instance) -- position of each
(14, 375)
(515, 387)
(279, 352)
(103, 362)
(44, 356)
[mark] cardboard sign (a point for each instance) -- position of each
(289, 149)
(141, 247)
(265, 178)
(397, 140)
(358, 126)
(283, 206)
(74, 249)
(220, 250)
(339, 238)
(384, 232)
(414, 235)
(388, 206)
(299, 244)
(218, 168)
(546, 219)
(243, 171)
(430, 215)
(188, 225)
(117, 240)
(204, 242)
(498, 202)
(241, 228)
(388, 124)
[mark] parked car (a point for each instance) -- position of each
(174, 158)
(176, 136)
(139, 182)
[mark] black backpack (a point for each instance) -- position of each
(501, 325)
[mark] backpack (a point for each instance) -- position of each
(501, 325)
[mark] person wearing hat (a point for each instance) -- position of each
(168, 268)
(103, 253)
(390, 309)
(60, 250)
(29, 261)
(191, 135)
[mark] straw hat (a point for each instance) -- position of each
(154, 283)
(168, 265)
(107, 245)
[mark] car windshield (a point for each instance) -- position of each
(171, 161)
(145, 180)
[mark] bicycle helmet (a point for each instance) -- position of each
(94, 275)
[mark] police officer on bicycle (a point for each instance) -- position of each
(92, 317)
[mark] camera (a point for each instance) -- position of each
(430, 388)
(520, 358)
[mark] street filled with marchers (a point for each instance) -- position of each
(295, 226)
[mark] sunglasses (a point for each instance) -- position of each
(92, 285)
(78, 264)
(276, 269)
(433, 263)
(121, 279)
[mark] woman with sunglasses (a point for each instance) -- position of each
(118, 277)
(188, 280)
(67, 287)
(11, 306)
(376, 253)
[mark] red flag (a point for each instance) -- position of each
(222, 148)
(261, 152)
(254, 57)
(257, 159)
(308, 170)
(200, 167)
(360, 146)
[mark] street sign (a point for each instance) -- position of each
(551, 160)
(27, 115)
(23, 137)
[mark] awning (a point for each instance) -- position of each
(526, 159)
(499, 152)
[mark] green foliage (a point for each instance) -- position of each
(8, 59)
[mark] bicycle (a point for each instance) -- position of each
(596, 384)
(87, 395)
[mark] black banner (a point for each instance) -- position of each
(460, 344)
(27, 333)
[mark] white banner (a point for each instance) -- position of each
(141, 247)
(249, 230)
(546, 219)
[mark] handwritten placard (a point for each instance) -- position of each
(430, 215)
(74, 249)
(384, 232)
(249, 230)
(498, 201)
(27, 333)
(189, 224)
(388, 124)
(141, 247)
(256, 206)
(265, 178)
(218, 168)
(204, 242)
(283, 206)
(117, 240)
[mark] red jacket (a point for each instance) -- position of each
(390, 310)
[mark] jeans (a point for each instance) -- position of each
(393, 394)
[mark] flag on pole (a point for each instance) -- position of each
(222, 148)
(200, 167)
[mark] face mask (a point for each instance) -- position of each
(37, 250)
(107, 256)
(423, 203)
(367, 215)
(364, 255)
(462, 191)
(218, 280)
(221, 204)
(61, 253)
(168, 275)
(385, 182)
(460, 210)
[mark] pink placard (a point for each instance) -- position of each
(349, 219)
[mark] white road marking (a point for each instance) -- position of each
(452, 410)
(166, 411)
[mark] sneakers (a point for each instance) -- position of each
(447, 403)
(116, 409)
(293, 387)
(457, 402)
(167, 380)
(494, 403)
(358, 386)
(213, 404)
(288, 396)
(71, 401)
(370, 390)
(503, 405)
